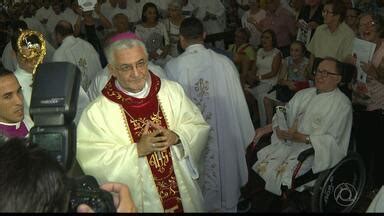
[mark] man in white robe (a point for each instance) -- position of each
(144, 132)
(212, 14)
(211, 80)
(53, 19)
(76, 51)
(24, 75)
(131, 9)
(102, 77)
(318, 118)
(44, 12)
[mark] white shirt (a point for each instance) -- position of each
(25, 81)
(34, 24)
(70, 16)
(43, 13)
(216, 8)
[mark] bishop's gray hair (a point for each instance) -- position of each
(122, 44)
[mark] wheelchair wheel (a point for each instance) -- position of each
(339, 189)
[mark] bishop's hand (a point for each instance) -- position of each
(168, 137)
(151, 141)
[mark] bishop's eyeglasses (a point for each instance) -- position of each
(128, 68)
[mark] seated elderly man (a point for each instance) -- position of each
(318, 118)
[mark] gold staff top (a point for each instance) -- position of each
(31, 51)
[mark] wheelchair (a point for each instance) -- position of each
(335, 190)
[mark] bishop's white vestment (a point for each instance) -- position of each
(211, 80)
(106, 146)
(326, 118)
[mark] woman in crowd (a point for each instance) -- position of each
(370, 122)
(293, 77)
(172, 24)
(154, 34)
(244, 57)
(265, 70)
(243, 53)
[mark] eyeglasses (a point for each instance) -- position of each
(325, 12)
(367, 24)
(127, 68)
(325, 73)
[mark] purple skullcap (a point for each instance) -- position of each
(125, 35)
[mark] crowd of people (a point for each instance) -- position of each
(165, 120)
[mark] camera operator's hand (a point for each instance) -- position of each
(121, 197)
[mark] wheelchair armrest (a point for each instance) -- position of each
(301, 158)
(262, 139)
(305, 154)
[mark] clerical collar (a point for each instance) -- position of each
(142, 94)
(22, 71)
(17, 125)
(194, 46)
(318, 91)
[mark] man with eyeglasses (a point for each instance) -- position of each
(145, 132)
(320, 118)
(334, 38)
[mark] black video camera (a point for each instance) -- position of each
(55, 93)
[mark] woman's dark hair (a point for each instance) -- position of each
(145, 8)
(245, 32)
(338, 8)
(301, 44)
(273, 35)
(31, 180)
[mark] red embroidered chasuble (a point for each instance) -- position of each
(137, 112)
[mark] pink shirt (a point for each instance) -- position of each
(282, 22)
(375, 88)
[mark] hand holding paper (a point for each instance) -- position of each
(363, 50)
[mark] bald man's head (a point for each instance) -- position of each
(62, 30)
